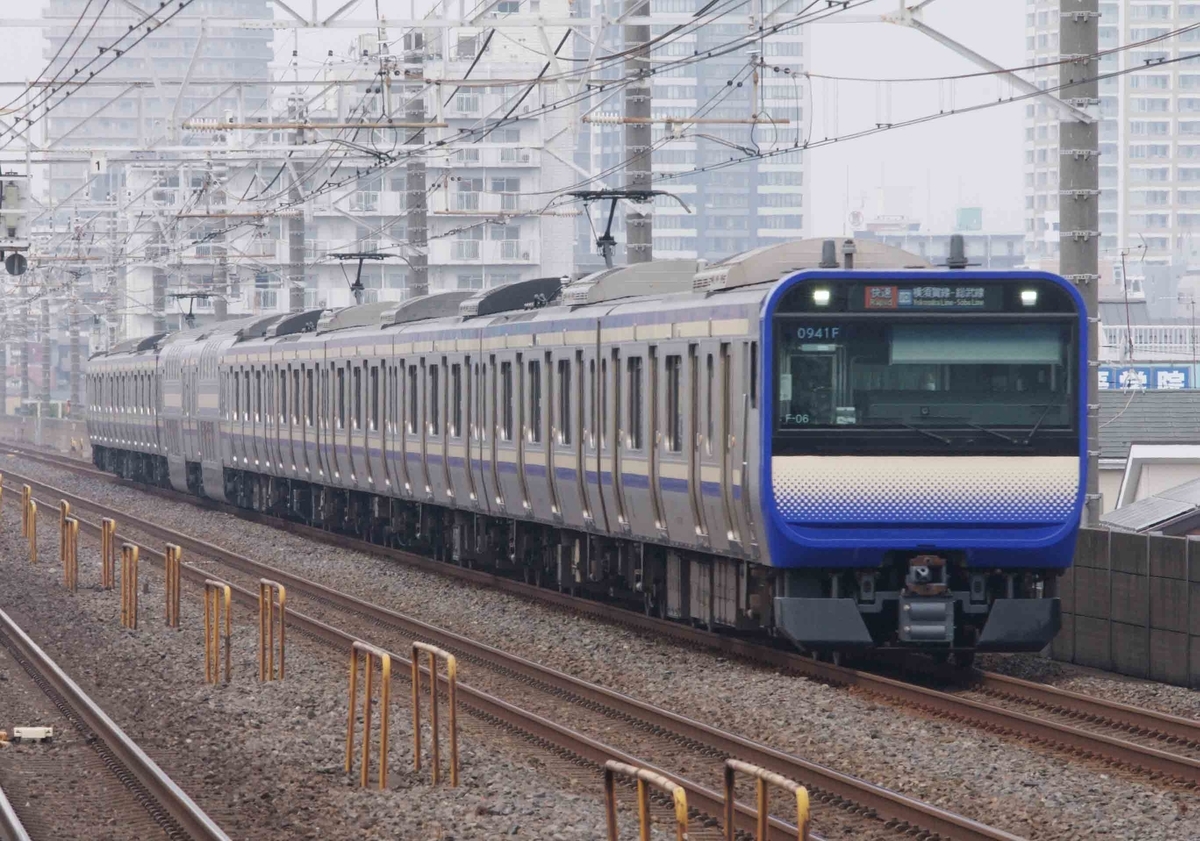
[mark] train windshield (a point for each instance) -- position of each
(1003, 379)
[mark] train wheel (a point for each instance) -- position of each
(963, 659)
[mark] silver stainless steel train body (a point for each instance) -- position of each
(601, 436)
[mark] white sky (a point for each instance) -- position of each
(924, 172)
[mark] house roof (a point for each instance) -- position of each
(1147, 417)
(1174, 511)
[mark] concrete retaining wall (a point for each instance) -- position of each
(1127, 606)
(52, 433)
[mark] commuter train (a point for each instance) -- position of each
(889, 455)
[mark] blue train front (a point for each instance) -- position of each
(924, 453)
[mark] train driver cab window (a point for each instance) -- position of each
(979, 378)
(634, 365)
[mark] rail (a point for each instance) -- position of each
(11, 828)
(889, 805)
(124, 751)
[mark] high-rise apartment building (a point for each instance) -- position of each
(1149, 131)
(699, 75)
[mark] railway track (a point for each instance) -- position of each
(166, 805)
(1162, 745)
(11, 828)
(546, 695)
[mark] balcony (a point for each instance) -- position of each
(486, 204)
(484, 252)
(494, 157)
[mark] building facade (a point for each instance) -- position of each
(1149, 131)
(729, 210)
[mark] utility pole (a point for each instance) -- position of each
(294, 281)
(1079, 201)
(73, 329)
(639, 231)
(3, 355)
(416, 201)
(26, 334)
(47, 353)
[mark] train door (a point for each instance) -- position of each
(334, 428)
(375, 372)
(313, 470)
(489, 432)
(611, 432)
(479, 434)
(360, 465)
(591, 468)
(638, 477)
(436, 442)
(537, 472)
(709, 458)
(458, 413)
(565, 469)
(421, 394)
(673, 445)
(403, 422)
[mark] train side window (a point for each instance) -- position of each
(237, 394)
(308, 389)
(341, 398)
(456, 400)
(604, 403)
(296, 396)
(246, 394)
(726, 398)
(283, 394)
(635, 402)
(506, 400)
(412, 400)
(710, 381)
(356, 420)
(535, 400)
(564, 401)
(754, 375)
(435, 400)
(674, 415)
(258, 395)
(374, 398)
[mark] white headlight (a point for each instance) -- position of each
(821, 297)
(1029, 297)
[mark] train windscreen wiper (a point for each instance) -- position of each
(933, 435)
(1001, 435)
(1041, 417)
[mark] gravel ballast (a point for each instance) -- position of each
(265, 759)
(1033, 793)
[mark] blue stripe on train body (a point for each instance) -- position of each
(828, 527)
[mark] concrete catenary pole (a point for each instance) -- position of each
(295, 281)
(47, 355)
(1079, 200)
(73, 330)
(26, 328)
(416, 210)
(3, 356)
(639, 230)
